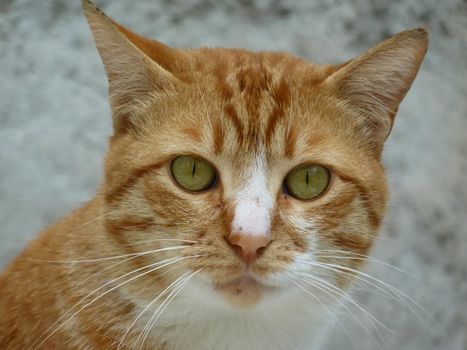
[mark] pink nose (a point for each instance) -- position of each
(248, 248)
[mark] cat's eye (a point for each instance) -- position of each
(193, 173)
(307, 181)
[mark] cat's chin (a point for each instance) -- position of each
(243, 292)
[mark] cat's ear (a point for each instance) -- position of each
(136, 67)
(375, 83)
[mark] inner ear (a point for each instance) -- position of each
(163, 55)
(136, 67)
(375, 83)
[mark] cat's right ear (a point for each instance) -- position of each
(136, 67)
(374, 84)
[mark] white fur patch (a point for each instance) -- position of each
(294, 322)
(254, 203)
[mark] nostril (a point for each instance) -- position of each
(261, 250)
(248, 248)
(237, 249)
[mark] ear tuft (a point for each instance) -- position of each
(89, 6)
(375, 83)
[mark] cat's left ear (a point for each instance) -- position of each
(375, 83)
(136, 67)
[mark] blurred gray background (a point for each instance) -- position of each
(55, 121)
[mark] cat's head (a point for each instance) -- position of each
(262, 168)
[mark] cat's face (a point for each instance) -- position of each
(286, 187)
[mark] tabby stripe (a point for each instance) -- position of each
(281, 96)
(290, 141)
(129, 224)
(232, 115)
(117, 193)
(222, 86)
(373, 217)
(354, 242)
(218, 136)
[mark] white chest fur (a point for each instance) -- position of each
(292, 323)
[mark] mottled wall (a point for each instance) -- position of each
(54, 122)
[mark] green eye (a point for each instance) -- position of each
(307, 181)
(193, 174)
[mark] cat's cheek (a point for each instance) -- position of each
(302, 262)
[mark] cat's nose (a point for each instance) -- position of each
(248, 248)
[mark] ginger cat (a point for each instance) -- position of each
(243, 191)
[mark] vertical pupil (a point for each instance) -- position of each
(194, 169)
(307, 178)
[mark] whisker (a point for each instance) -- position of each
(160, 239)
(329, 287)
(345, 296)
(80, 283)
(148, 306)
(294, 280)
(396, 292)
(110, 257)
(390, 294)
(147, 328)
(95, 219)
(352, 277)
(164, 305)
(356, 280)
(357, 256)
(100, 296)
(339, 300)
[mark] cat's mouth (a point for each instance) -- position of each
(242, 282)
(244, 291)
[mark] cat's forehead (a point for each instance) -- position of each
(239, 66)
(250, 101)
(239, 109)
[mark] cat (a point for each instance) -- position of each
(243, 192)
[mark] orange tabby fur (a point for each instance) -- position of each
(228, 106)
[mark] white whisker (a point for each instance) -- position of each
(396, 292)
(152, 321)
(110, 257)
(319, 301)
(327, 288)
(351, 277)
(95, 219)
(103, 294)
(339, 300)
(160, 239)
(147, 307)
(357, 256)
(344, 295)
